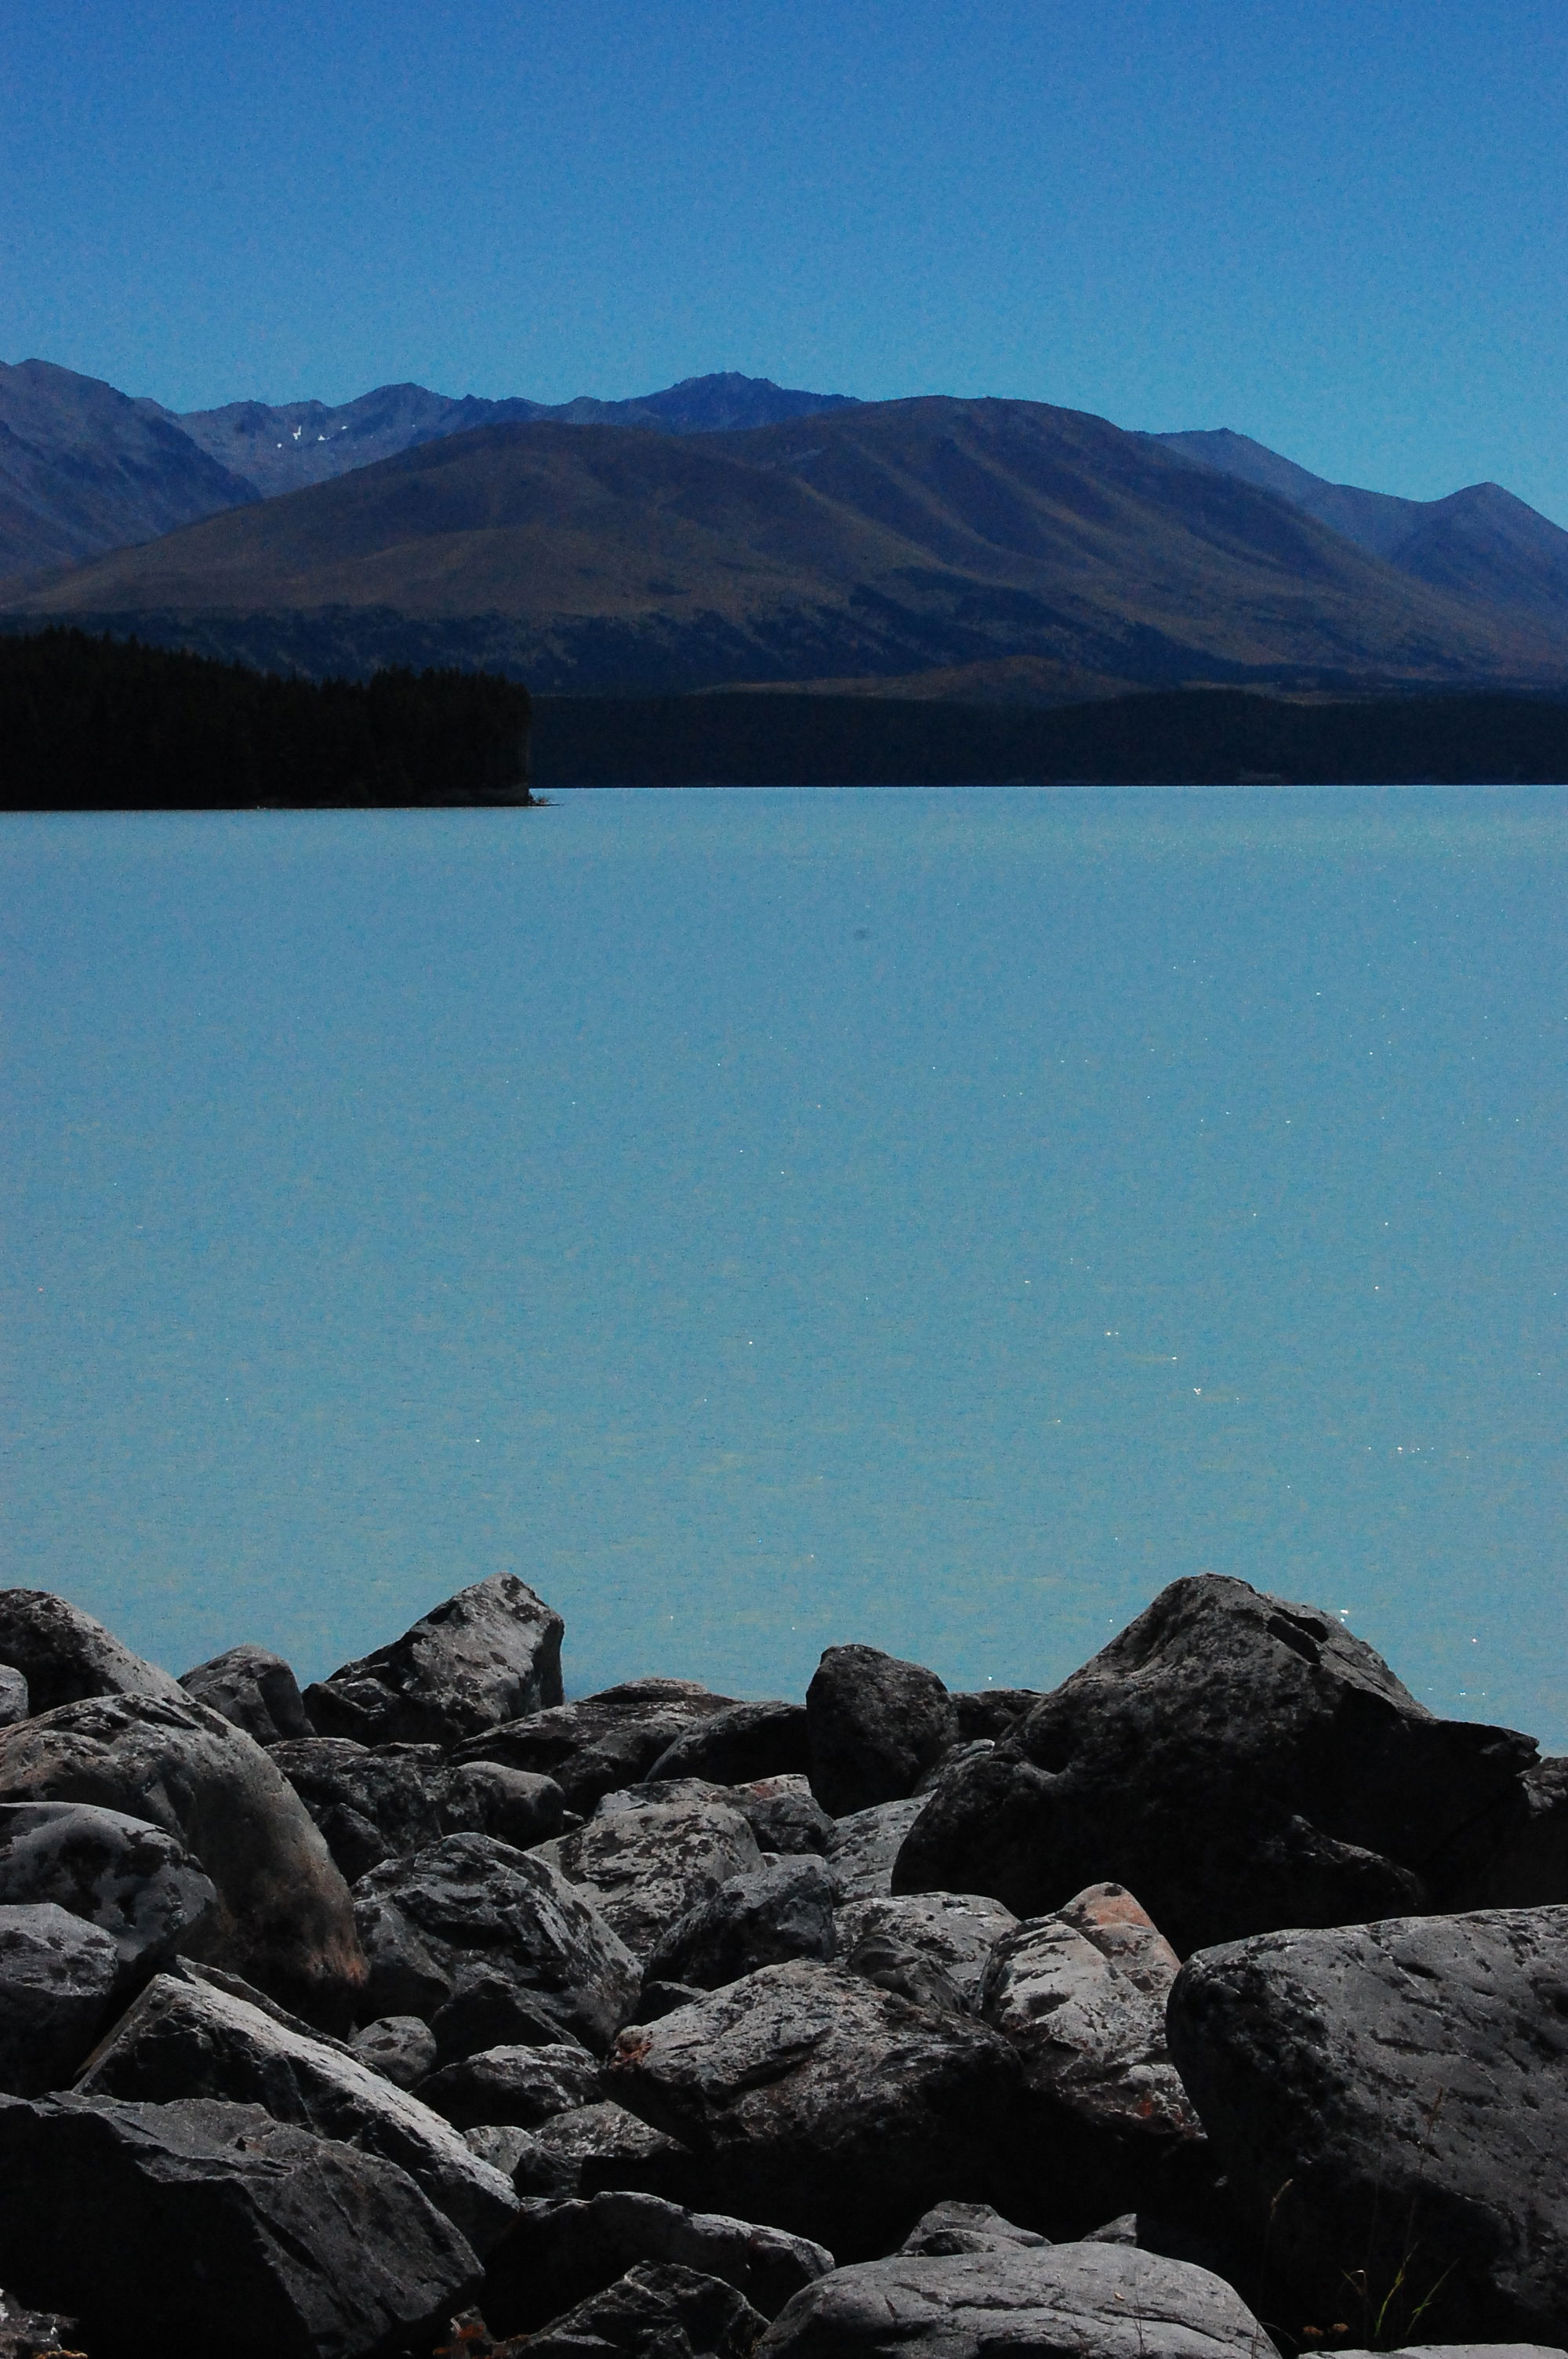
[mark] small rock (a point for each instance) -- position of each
(556, 2254)
(1392, 2100)
(59, 1976)
(953, 1931)
(781, 1912)
(866, 1846)
(739, 1744)
(485, 1657)
(656, 2310)
(486, 1797)
(599, 1742)
(823, 2105)
(207, 2227)
(648, 1865)
(991, 1712)
(1099, 2300)
(63, 1655)
(492, 1947)
(184, 2039)
(1516, 1855)
(140, 1884)
(875, 1725)
(658, 1999)
(254, 1689)
(591, 2147)
(525, 2085)
(503, 2145)
(399, 2047)
(283, 1919)
(35, 2333)
(783, 1814)
(15, 1705)
(967, 2228)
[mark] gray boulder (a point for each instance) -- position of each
(647, 1865)
(64, 1655)
(254, 1687)
(657, 2310)
(399, 1799)
(492, 1947)
(953, 1931)
(399, 2047)
(556, 2254)
(591, 2147)
(1062, 2301)
(16, 1704)
(140, 1884)
(783, 1814)
(206, 2228)
(991, 1712)
(866, 1846)
(823, 2105)
(1080, 1996)
(525, 2085)
(1392, 2100)
(967, 2228)
(188, 2039)
(875, 1725)
(284, 1918)
(486, 1655)
(59, 1976)
(1237, 1762)
(599, 1742)
(783, 1910)
(739, 1744)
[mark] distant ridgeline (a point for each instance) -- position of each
(109, 724)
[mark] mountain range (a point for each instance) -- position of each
(729, 531)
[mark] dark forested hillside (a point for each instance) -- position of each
(100, 724)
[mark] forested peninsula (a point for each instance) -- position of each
(99, 724)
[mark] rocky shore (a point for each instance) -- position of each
(1213, 2003)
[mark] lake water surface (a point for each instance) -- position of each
(763, 1219)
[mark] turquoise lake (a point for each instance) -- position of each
(763, 1219)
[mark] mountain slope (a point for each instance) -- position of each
(1480, 542)
(887, 538)
(84, 468)
(284, 447)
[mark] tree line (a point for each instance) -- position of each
(91, 724)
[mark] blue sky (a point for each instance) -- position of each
(1337, 225)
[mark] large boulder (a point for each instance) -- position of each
(284, 1918)
(1102, 2301)
(875, 1726)
(647, 1865)
(590, 2148)
(600, 1741)
(486, 1655)
(1392, 2102)
(492, 1946)
(186, 2038)
(824, 2104)
(1081, 1997)
(954, 1932)
(254, 1687)
(781, 1910)
(140, 1884)
(206, 2228)
(525, 2085)
(1237, 1762)
(657, 2310)
(400, 2047)
(399, 1799)
(58, 1977)
(64, 1655)
(739, 1744)
(556, 2254)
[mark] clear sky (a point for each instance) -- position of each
(1335, 224)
